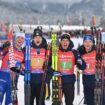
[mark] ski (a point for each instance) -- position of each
(98, 68)
(78, 82)
(56, 79)
(98, 65)
(103, 68)
(78, 78)
(27, 69)
(12, 74)
(45, 68)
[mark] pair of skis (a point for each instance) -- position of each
(98, 83)
(103, 68)
(98, 66)
(27, 69)
(99, 92)
(45, 68)
(12, 74)
(56, 79)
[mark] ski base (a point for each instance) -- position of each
(56, 103)
(57, 90)
(14, 95)
(27, 93)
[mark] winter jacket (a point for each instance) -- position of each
(69, 77)
(19, 58)
(88, 76)
(37, 70)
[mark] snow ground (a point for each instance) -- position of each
(48, 102)
(77, 99)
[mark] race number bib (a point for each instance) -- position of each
(66, 64)
(37, 62)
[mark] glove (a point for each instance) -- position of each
(103, 50)
(79, 61)
(98, 57)
(15, 69)
(56, 73)
(6, 44)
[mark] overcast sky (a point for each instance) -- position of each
(61, 0)
(72, 1)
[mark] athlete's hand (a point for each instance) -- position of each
(79, 61)
(15, 69)
(6, 44)
(56, 73)
(98, 57)
(103, 50)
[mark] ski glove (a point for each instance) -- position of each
(6, 45)
(79, 61)
(56, 73)
(98, 57)
(15, 69)
(103, 50)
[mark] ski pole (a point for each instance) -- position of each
(45, 68)
(81, 101)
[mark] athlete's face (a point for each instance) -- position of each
(19, 41)
(37, 40)
(65, 43)
(88, 44)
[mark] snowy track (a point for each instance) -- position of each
(48, 102)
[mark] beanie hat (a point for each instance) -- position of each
(21, 34)
(88, 37)
(65, 36)
(37, 32)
